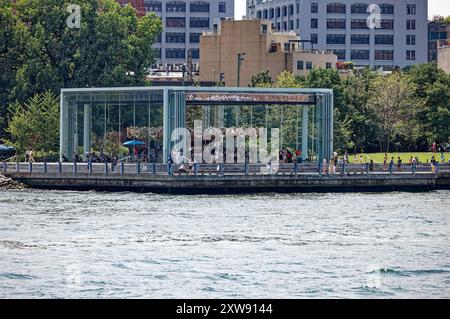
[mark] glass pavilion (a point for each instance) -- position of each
(101, 120)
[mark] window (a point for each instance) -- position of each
(199, 22)
(291, 25)
(176, 7)
(299, 65)
(175, 53)
(384, 39)
(314, 7)
(387, 9)
(271, 13)
(314, 23)
(175, 22)
(335, 38)
(265, 14)
(359, 8)
(410, 55)
(153, 6)
(199, 7)
(158, 38)
(336, 24)
(222, 7)
(309, 65)
(314, 38)
(384, 55)
(359, 54)
(410, 39)
(411, 9)
(297, 23)
(278, 12)
(340, 54)
(336, 8)
(298, 8)
(194, 37)
(360, 39)
(284, 11)
(291, 10)
(258, 14)
(359, 24)
(175, 37)
(328, 65)
(195, 53)
(278, 26)
(284, 26)
(410, 24)
(387, 24)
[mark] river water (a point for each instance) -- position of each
(56, 244)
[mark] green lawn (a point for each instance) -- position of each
(378, 157)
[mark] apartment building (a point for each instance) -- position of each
(183, 23)
(377, 33)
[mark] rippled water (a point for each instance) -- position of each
(74, 244)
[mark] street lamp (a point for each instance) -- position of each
(241, 57)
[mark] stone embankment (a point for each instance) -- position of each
(8, 183)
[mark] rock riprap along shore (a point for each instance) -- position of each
(8, 183)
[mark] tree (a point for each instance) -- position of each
(261, 79)
(287, 79)
(8, 62)
(111, 48)
(35, 124)
(394, 105)
(357, 90)
(433, 86)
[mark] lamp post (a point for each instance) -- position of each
(241, 57)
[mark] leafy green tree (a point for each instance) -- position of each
(111, 48)
(433, 86)
(357, 90)
(261, 79)
(395, 107)
(8, 62)
(287, 79)
(35, 124)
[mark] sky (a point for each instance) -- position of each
(435, 7)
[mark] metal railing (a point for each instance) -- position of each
(121, 168)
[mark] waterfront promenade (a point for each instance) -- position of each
(227, 178)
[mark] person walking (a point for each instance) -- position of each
(399, 164)
(30, 155)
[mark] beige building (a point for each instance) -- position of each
(444, 58)
(264, 50)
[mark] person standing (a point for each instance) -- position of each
(30, 155)
(399, 164)
(324, 166)
(385, 159)
(433, 164)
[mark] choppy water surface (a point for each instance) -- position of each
(103, 245)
